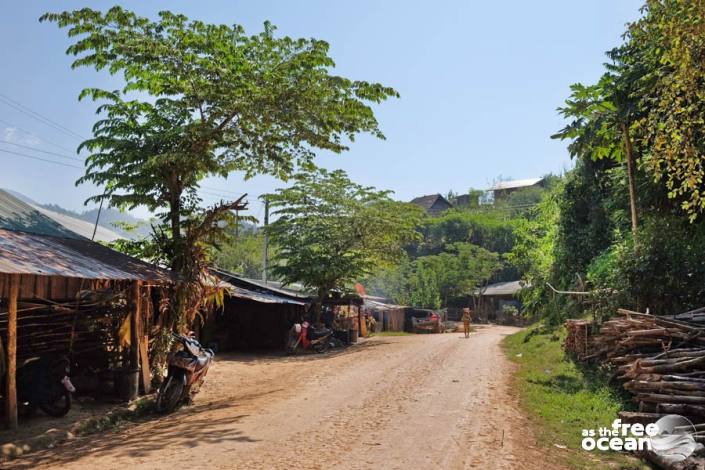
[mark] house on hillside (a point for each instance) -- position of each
(434, 204)
(62, 294)
(502, 189)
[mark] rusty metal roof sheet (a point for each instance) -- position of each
(33, 243)
(502, 288)
(28, 253)
(262, 297)
(246, 289)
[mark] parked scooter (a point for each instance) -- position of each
(44, 383)
(186, 374)
(307, 336)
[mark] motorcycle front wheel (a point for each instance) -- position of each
(59, 406)
(170, 394)
(322, 346)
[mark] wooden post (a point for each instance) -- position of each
(11, 374)
(145, 376)
(135, 340)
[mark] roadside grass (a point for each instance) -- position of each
(563, 399)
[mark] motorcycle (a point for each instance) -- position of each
(44, 383)
(309, 337)
(186, 374)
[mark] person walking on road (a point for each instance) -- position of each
(466, 322)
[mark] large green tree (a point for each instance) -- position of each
(602, 116)
(201, 100)
(331, 232)
(671, 38)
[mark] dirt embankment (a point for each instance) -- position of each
(426, 401)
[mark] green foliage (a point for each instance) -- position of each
(670, 38)
(435, 280)
(651, 91)
(487, 228)
(584, 227)
(659, 269)
(243, 253)
(534, 252)
(459, 270)
(199, 100)
(331, 232)
(425, 291)
(463, 249)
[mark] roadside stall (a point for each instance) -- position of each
(62, 295)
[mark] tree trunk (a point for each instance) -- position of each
(175, 191)
(318, 306)
(628, 151)
(175, 215)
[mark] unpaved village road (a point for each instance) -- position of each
(409, 402)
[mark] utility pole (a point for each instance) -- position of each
(265, 255)
(97, 217)
(237, 224)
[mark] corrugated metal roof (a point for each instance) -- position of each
(262, 297)
(377, 305)
(18, 216)
(81, 227)
(33, 243)
(28, 253)
(502, 288)
(525, 183)
(257, 291)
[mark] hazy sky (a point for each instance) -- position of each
(479, 82)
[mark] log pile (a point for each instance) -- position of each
(578, 341)
(659, 360)
(636, 335)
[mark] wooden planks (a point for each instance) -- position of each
(145, 376)
(11, 385)
(135, 320)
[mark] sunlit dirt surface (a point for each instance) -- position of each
(406, 402)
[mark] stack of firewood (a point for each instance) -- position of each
(660, 360)
(578, 340)
(641, 333)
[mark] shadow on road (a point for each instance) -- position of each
(177, 431)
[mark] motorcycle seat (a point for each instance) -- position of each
(317, 333)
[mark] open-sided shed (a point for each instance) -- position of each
(490, 301)
(61, 292)
(389, 317)
(255, 315)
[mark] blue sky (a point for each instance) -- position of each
(479, 82)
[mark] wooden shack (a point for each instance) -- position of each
(489, 302)
(62, 294)
(388, 317)
(255, 315)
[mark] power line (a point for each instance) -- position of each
(40, 159)
(217, 194)
(39, 117)
(29, 147)
(221, 190)
(32, 134)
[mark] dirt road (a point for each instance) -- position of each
(426, 401)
